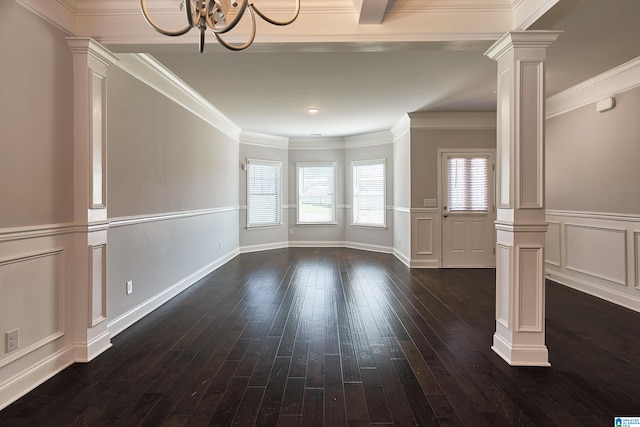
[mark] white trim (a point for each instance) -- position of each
(263, 247)
(140, 219)
(596, 215)
(148, 70)
(526, 12)
(316, 244)
(127, 319)
(630, 301)
(87, 352)
(368, 140)
(369, 247)
(34, 231)
(402, 209)
(401, 127)
(402, 257)
(454, 120)
(616, 80)
(316, 143)
(264, 140)
(36, 374)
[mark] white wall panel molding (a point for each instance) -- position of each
(595, 216)
(22, 383)
(553, 248)
(97, 283)
(127, 319)
(39, 278)
(36, 231)
(619, 79)
(148, 70)
(167, 216)
(453, 120)
(423, 236)
(529, 312)
(596, 251)
(636, 258)
(599, 254)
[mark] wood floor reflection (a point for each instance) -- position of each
(339, 337)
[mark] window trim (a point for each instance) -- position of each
(333, 165)
(355, 163)
(280, 207)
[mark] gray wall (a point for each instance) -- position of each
(175, 174)
(425, 144)
(36, 121)
(593, 159)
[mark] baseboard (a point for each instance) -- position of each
(84, 353)
(24, 382)
(127, 319)
(368, 247)
(615, 297)
(425, 263)
(265, 247)
(402, 257)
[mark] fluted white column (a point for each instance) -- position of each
(520, 219)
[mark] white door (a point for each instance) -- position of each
(467, 209)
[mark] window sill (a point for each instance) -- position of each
(377, 227)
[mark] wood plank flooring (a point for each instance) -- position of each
(340, 337)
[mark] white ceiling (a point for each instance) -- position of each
(365, 87)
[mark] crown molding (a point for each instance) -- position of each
(60, 13)
(264, 140)
(453, 120)
(401, 127)
(316, 143)
(619, 79)
(151, 72)
(369, 140)
(526, 12)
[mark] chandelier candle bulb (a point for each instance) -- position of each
(212, 15)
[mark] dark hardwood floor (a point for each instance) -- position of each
(342, 337)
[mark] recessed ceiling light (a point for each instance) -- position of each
(312, 110)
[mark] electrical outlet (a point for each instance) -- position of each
(13, 340)
(129, 286)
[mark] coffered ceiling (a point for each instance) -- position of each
(362, 63)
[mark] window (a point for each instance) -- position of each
(368, 205)
(263, 193)
(468, 184)
(316, 193)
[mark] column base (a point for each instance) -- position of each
(519, 355)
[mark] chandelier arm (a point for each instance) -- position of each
(145, 14)
(231, 25)
(245, 44)
(193, 18)
(273, 21)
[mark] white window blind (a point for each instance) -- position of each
(368, 204)
(316, 193)
(468, 184)
(263, 193)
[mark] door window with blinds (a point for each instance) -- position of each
(316, 193)
(468, 184)
(264, 193)
(368, 193)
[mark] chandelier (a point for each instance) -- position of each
(213, 14)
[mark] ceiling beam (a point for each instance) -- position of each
(372, 11)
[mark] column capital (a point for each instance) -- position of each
(88, 46)
(522, 39)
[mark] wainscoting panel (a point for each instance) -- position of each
(424, 236)
(31, 286)
(98, 298)
(503, 273)
(530, 296)
(552, 244)
(597, 251)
